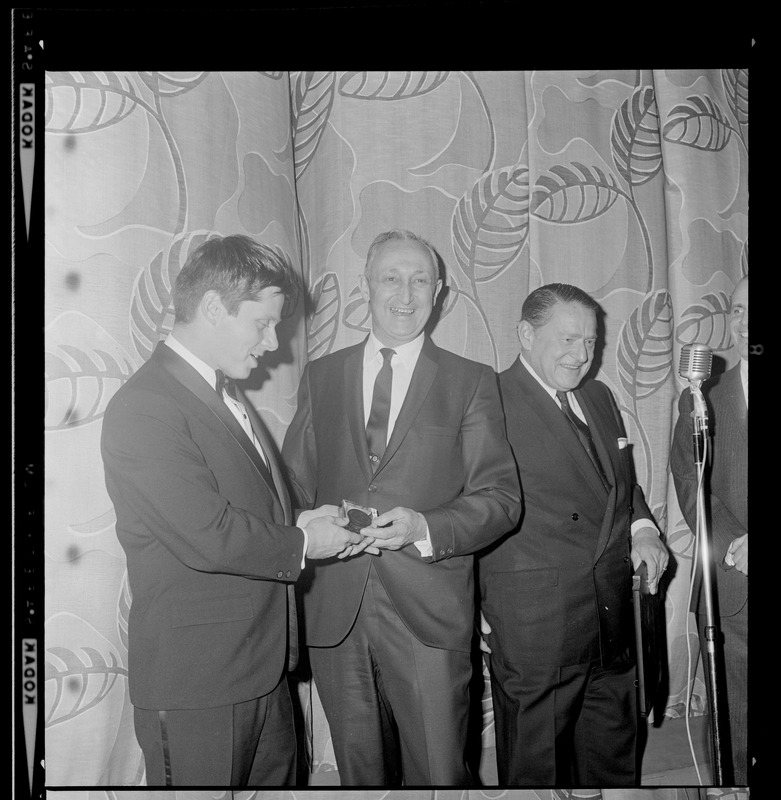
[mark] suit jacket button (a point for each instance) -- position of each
(373, 487)
(288, 573)
(576, 517)
(280, 574)
(374, 458)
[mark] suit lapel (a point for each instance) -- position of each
(737, 400)
(600, 421)
(189, 377)
(280, 493)
(277, 482)
(282, 498)
(422, 379)
(549, 412)
(353, 382)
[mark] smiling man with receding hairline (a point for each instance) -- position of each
(415, 432)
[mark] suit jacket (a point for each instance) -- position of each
(447, 458)
(206, 530)
(557, 591)
(726, 492)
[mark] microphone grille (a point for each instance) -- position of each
(696, 362)
(702, 358)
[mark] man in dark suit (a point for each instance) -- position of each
(557, 592)
(390, 634)
(726, 501)
(205, 521)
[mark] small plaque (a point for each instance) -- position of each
(358, 517)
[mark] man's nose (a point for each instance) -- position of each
(270, 341)
(405, 292)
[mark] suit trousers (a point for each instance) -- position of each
(246, 744)
(397, 709)
(565, 726)
(732, 684)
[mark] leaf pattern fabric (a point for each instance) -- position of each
(631, 184)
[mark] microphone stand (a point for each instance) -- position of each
(700, 419)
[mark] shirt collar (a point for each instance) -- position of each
(530, 369)
(203, 369)
(406, 352)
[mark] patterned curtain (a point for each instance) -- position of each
(630, 184)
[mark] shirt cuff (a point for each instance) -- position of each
(425, 546)
(306, 544)
(643, 523)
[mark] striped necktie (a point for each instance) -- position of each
(584, 434)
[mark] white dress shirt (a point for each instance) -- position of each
(728, 558)
(403, 365)
(744, 378)
(575, 406)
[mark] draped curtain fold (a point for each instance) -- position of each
(631, 184)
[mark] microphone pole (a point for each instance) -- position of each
(695, 366)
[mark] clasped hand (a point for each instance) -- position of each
(396, 528)
(389, 531)
(328, 535)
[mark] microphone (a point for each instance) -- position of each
(695, 366)
(696, 362)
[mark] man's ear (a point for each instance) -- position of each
(211, 306)
(363, 285)
(525, 334)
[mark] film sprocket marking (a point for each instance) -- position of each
(358, 516)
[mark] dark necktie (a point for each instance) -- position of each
(377, 427)
(584, 434)
(226, 383)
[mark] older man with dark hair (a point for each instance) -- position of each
(204, 518)
(414, 434)
(557, 592)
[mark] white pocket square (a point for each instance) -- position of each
(622, 442)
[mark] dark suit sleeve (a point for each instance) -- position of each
(723, 525)
(490, 504)
(682, 463)
(161, 484)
